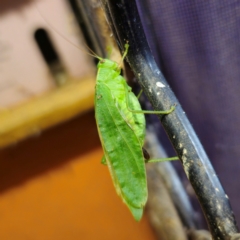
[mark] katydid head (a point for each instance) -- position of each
(106, 63)
(109, 64)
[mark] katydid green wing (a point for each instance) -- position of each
(122, 149)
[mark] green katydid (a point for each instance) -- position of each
(121, 127)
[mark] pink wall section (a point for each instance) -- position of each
(24, 73)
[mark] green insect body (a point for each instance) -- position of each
(122, 135)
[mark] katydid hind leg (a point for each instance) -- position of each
(148, 160)
(162, 160)
(145, 111)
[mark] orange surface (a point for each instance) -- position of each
(53, 187)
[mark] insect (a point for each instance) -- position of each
(121, 127)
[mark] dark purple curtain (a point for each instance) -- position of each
(197, 46)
